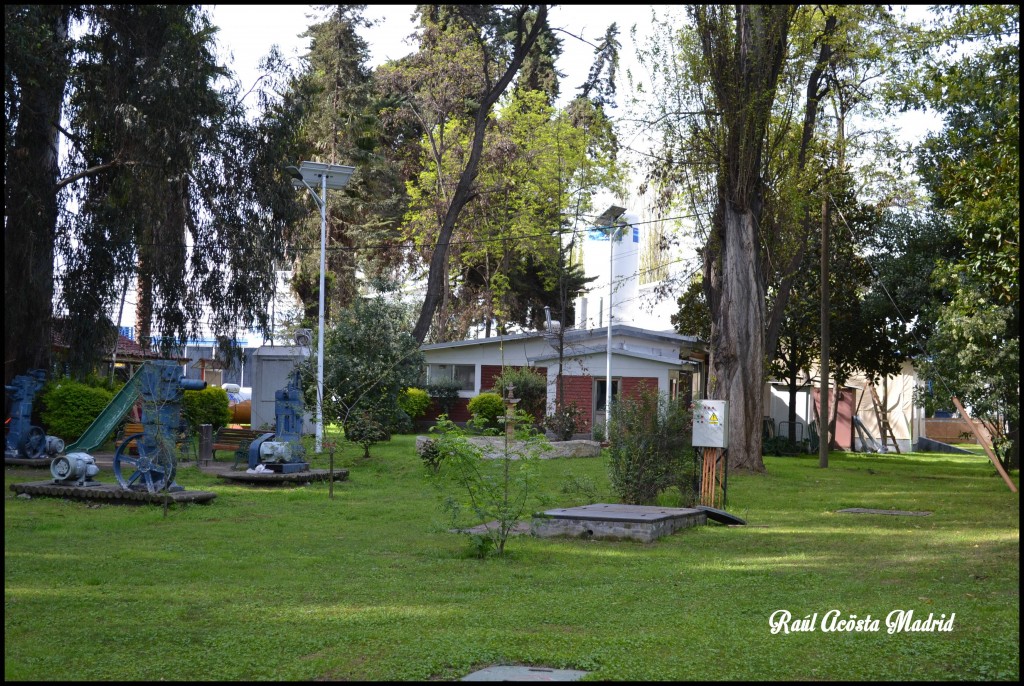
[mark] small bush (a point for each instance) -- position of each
(530, 387)
(400, 422)
(431, 455)
(69, 407)
(487, 407)
(366, 430)
(564, 422)
(414, 402)
(650, 447)
(499, 490)
(208, 406)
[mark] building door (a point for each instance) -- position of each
(680, 386)
(601, 396)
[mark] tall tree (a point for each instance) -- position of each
(468, 57)
(507, 261)
(742, 52)
(739, 106)
(37, 53)
(972, 170)
(172, 185)
(341, 124)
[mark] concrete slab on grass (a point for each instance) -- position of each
(524, 673)
(613, 521)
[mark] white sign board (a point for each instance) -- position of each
(710, 424)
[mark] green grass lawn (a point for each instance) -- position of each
(286, 584)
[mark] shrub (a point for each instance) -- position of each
(369, 358)
(400, 422)
(431, 455)
(650, 447)
(208, 406)
(69, 407)
(414, 402)
(445, 393)
(365, 429)
(564, 421)
(486, 408)
(530, 387)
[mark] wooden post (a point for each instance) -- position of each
(330, 476)
(984, 444)
(709, 478)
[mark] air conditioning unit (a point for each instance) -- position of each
(304, 337)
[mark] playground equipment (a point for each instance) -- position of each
(161, 387)
(76, 468)
(23, 439)
(108, 420)
(282, 451)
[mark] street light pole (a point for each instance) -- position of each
(607, 221)
(330, 176)
(608, 345)
(320, 322)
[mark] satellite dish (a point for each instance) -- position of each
(304, 338)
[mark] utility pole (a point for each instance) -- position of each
(823, 393)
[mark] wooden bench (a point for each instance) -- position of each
(129, 429)
(233, 439)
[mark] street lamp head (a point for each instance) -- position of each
(609, 216)
(319, 174)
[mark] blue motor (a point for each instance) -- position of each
(24, 440)
(76, 468)
(283, 451)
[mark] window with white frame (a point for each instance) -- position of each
(463, 374)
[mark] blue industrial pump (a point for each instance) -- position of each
(161, 387)
(23, 439)
(285, 453)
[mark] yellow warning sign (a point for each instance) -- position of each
(713, 419)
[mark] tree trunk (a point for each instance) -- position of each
(31, 204)
(737, 336)
(144, 307)
(464, 190)
(793, 387)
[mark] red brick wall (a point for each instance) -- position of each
(459, 412)
(580, 390)
(629, 386)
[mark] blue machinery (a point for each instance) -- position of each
(286, 454)
(24, 440)
(161, 388)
